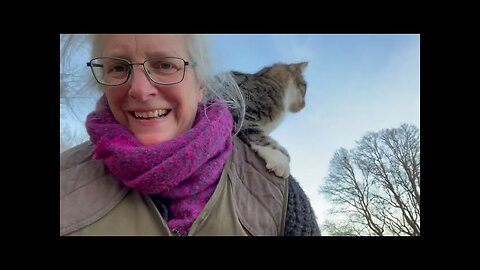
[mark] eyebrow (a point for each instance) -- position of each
(125, 53)
(157, 54)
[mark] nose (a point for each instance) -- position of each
(141, 87)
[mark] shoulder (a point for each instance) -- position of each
(260, 196)
(76, 155)
(301, 219)
(249, 166)
(77, 168)
(87, 190)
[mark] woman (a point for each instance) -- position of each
(162, 157)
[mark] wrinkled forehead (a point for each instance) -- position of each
(140, 47)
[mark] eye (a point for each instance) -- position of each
(303, 87)
(117, 67)
(165, 65)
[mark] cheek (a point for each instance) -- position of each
(199, 95)
(115, 99)
(198, 88)
(190, 104)
(115, 95)
(102, 103)
(113, 102)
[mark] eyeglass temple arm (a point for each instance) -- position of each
(94, 65)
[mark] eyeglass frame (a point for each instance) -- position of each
(130, 68)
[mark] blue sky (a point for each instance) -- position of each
(356, 84)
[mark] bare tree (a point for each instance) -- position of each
(375, 188)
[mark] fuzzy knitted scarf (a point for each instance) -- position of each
(183, 171)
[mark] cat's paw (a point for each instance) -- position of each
(275, 159)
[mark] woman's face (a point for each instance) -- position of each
(138, 103)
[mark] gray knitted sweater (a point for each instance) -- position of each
(300, 216)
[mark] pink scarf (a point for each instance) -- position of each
(184, 171)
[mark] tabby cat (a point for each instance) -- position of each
(269, 94)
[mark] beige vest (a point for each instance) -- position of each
(248, 200)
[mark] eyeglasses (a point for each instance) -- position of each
(113, 71)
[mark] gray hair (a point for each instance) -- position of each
(219, 86)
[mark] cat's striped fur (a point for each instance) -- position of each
(269, 94)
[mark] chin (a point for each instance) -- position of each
(150, 139)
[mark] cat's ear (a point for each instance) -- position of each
(302, 65)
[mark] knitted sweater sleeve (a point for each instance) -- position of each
(300, 219)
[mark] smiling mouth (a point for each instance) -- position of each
(155, 114)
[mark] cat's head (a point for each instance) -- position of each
(297, 87)
(290, 76)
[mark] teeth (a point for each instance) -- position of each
(150, 114)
